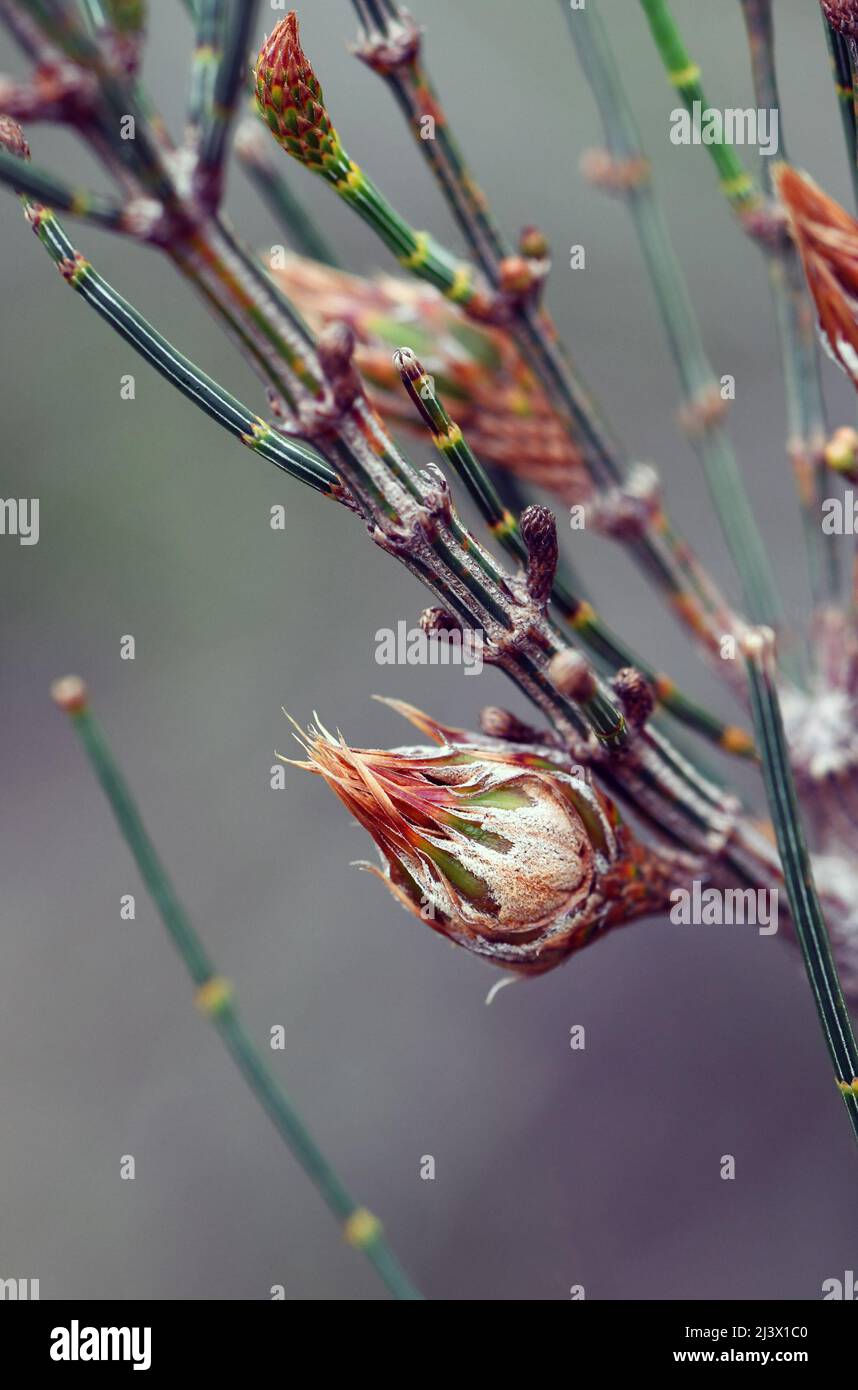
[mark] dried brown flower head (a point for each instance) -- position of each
(505, 850)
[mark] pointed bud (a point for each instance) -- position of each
(539, 533)
(827, 240)
(290, 98)
(511, 854)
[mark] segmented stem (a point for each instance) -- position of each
(205, 60)
(698, 381)
(758, 647)
(411, 519)
(40, 184)
(577, 612)
(794, 315)
(231, 65)
(660, 552)
(215, 999)
(807, 420)
(253, 147)
(843, 74)
(291, 456)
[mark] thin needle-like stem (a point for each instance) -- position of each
(231, 68)
(216, 1000)
(698, 382)
(391, 45)
(253, 148)
(290, 455)
(806, 413)
(794, 315)
(577, 612)
(843, 78)
(758, 647)
(44, 186)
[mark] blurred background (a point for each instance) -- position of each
(554, 1167)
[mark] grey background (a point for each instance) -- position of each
(554, 1167)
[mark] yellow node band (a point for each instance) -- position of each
(584, 614)
(361, 1228)
(505, 527)
(213, 995)
(449, 440)
(80, 269)
(354, 178)
(259, 431)
(736, 740)
(738, 186)
(461, 286)
(418, 255)
(684, 76)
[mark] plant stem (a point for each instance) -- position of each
(215, 999)
(252, 146)
(794, 312)
(698, 381)
(38, 183)
(391, 47)
(288, 454)
(140, 156)
(578, 613)
(232, 62)
(205, 59)
(399, 503)
(843, 77)
(758, 647)
(807, 421)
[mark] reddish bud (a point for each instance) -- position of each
(290, 98)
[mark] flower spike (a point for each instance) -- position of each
(289, 96)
